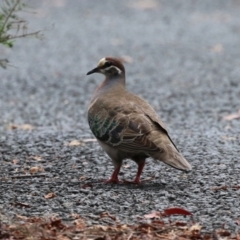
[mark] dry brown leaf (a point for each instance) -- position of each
(224, 233)
(82, 178)
(87, 185)
(75, 143)
(220, 188)
(75, 215)
(50, 195)
(26, 127)
(36, 169)
(232, 116)
(228, 138)
(53, 228)
(15, 161)
(89, 140)
(195, 227)
(22, 217)
(19, 204)
(100, 227)
(238, 222)
(154, 214)
(22, 127)
(37, 158)
(62, 237)
(108, 215)
(79, 223)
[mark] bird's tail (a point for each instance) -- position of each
(171, 156)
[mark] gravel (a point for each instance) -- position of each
(185, 62)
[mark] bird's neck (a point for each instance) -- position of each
(111, 83)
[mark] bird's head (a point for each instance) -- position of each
(109, 67)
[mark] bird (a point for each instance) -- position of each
(126, 126)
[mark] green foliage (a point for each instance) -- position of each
(11, 25)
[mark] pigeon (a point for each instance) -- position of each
(126, 126)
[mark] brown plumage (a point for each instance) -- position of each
(126, 126)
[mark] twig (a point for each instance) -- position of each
(29, 176)
(9, 15)
(23, 35)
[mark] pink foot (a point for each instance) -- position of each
(112, 180)
(140, 168)
(114, 177)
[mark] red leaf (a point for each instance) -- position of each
(154, 214)
(178, 211)
(180, 224)
(87, 185)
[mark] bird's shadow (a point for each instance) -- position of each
(100, 184)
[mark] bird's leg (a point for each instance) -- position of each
(114, 177)
(141, 165)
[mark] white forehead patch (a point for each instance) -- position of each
(113, 67)
(101, 62)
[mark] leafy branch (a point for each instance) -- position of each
(12, 26)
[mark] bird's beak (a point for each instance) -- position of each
(95, 70)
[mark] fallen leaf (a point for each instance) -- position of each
(19, 204)
(154, 214)
(79, 223)
(75, 143)
(238, 222)
(50, 195)
(36, 169)
(57, 223)
(232, 116)
(107, 215)
(22, 127)
(180, 224)
(74, 166)
(176, 211)
(224, 233)
(195, 227)
(229, 138)
(82, 178)
(100, 227)
(219, 188)
(22, 217)
(37, 158)
(89, 140)
(62, 237)
(15, 161)
(87, 185)
(75, 215)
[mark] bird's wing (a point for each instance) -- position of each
(124, 126)
(147, 109)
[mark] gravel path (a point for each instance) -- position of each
(182, 57)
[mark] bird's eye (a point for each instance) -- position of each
(107, 64)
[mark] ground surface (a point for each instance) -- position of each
(182, 57)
